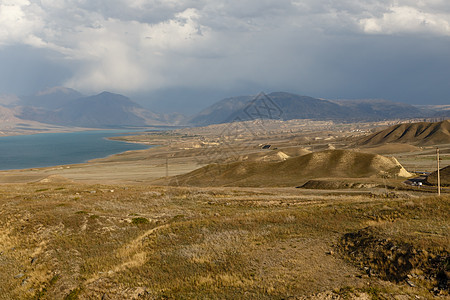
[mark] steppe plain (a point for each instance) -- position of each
(130, 226)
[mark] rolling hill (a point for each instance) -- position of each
(423, 133)
(287, 106)
(293, 171)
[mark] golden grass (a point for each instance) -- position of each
(76, 240)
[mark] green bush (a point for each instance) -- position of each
(139, 221)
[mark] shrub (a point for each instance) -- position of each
(139, 221)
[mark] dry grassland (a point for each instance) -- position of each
(78, 241)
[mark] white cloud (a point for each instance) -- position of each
(129, 45)
(17, 24)
(404, 19)
(130, 55)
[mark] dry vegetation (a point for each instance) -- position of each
(122, 242)
(105, 230)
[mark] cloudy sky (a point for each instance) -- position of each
(180, 55)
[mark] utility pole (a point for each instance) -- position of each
(167, 167)
(438, 173)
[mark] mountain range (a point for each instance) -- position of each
(102, 110)
(67, 107)
(287, 106)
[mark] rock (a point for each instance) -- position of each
(410, 283)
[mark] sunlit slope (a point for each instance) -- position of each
(423, 133)
(292, 171)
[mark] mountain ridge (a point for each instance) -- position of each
(292, 106)
(68, 107)
(105, 109)
(51, 98)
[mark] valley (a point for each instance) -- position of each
(265, 209)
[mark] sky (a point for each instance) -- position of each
(173, 55)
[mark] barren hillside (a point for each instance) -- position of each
(325, 164)
(445, 177)
(423, 133)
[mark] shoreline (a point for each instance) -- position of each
(87, 161)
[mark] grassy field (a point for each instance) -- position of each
(80, 241)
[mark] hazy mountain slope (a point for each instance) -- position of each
(379, 109)
(220, 112)
(10, 124)
(303, 107)
(325, 164)
(102, 110)
(289, 106)
(423, 133)
(7, 115)
(51, 98)
(9, 100)
(436, 111)
(105, 109)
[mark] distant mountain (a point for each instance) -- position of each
(422, 133)
(436, 111)
(10, 124)
(51, 98)
(220, 112)
(287, 106)
(378, 109)
(7, 115)
(102, 110)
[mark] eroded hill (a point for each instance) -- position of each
(291, 172)
(423, 133)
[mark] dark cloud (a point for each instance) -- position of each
(25, 70)
(182, 52)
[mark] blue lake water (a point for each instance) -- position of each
(51, 149)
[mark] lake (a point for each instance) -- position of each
(52, 149)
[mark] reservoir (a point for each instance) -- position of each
(51, 149)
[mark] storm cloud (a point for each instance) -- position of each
(397, 50)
